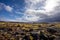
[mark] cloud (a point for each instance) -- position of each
(50, 5)
(41, 9)
(33, 9)
(31, 18)
(6, 7)
(37, 11)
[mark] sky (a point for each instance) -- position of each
(30, 10)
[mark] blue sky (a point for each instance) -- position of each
(30, 10)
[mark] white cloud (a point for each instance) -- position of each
(37, 10)
(32, 4)
(51, 5)
(31, 18)
(8, 8)
(43, 8)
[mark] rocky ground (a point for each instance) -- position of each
(18, 31)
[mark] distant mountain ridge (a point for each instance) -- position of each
(33, 22)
